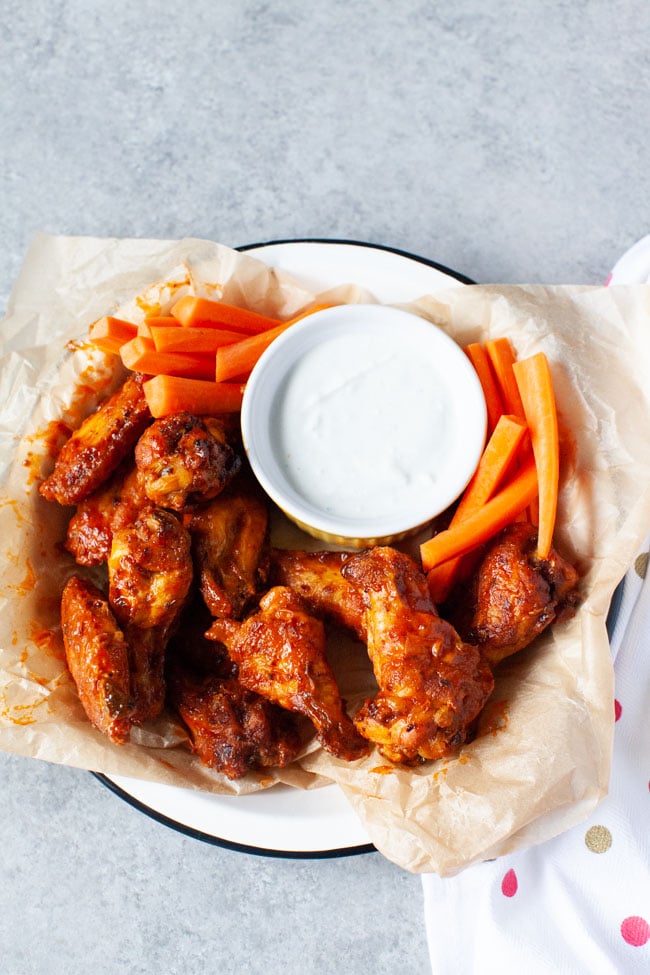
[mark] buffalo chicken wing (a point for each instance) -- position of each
(513, 595)
(229, 537)
(432, 686)
(280, 653)
(99, 446)
(184, 459)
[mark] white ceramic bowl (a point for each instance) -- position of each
(363, 422)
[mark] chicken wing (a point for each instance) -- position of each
(106, 510)
(280, 653)
(98, 658)
(185, 459)
(512, 595)
(432, 686)
(100, 444)
(150, 574)
(232, 729)
(229, 537)
(317, 578)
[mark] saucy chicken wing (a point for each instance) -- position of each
(317, 578)
(229, 537)
(111, 507)
(98, 658)
(432, 686)
(150, 574)
(232, 729)
(100, 444)
(512, 595)
(280, 653)
(184, 459)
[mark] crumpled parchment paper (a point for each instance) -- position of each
(541, 758)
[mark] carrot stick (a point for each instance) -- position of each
(483, 524)
(480, 360)
(144, 330)
(502, 357)
(236, 361)
(493, 466)
(167, 320)
(535, 384)
(191, 339)
(140, 355)
(114, 329)
(191, 310)
(176, 394)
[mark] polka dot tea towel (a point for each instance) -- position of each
(578, 904)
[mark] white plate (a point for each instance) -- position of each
(283, 821)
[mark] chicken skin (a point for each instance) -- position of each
(185, 459)
(111, 507)
(432, 686)
(99, 446)
(229, 537)
(150, 574)
(280, 653)
(317, 578)
(98, 658)
(512, 595)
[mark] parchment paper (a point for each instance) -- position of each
(541, 759)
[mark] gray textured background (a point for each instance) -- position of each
(507, 140)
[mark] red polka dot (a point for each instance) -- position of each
(509, 884)
(617, 710)
(636, 931)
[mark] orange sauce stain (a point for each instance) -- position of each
(494, 718)
(14, 505)
(47, 641)
(382, 769)
(266, 781)
(21, 714)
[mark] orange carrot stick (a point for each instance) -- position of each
(167, 320)
(493, 466)
(483, 524)
(535, 383)
(502, 357)
(480, 360)
(191, 339)
(191, 310)
(237, 360)
(176, 394)
(140, 355)
(116, 330)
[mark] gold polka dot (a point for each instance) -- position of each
(641, 564)
(598, 839)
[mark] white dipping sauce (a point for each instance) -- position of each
(363, 421)
(361, 429)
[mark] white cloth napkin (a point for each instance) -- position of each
(578, 904)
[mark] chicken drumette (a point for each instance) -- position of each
(229, 536)
(150, 573)
(280, 653)
(512, 595)
(184, 459)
